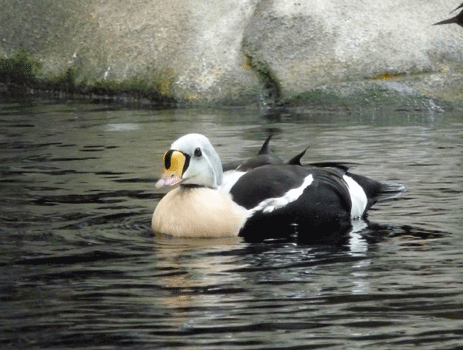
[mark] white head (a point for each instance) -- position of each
(192, 160)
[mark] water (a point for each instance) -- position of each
(81, 269)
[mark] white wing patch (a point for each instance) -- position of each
(357, 196)
(271, 204)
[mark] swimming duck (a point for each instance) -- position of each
(262, 199)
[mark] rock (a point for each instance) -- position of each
(317, 44)
(237, 51)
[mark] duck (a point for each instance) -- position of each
(263, 197)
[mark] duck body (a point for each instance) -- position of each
(260, 201)
(316, 200)
(310, 201)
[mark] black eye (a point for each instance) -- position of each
(198, 152)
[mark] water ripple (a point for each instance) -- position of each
(80, 267)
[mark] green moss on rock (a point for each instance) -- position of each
(21, 70)
(22, 74)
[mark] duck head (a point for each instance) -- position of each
(192, 161)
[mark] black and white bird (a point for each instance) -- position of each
(260, 197)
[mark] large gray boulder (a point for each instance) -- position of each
(306, 45)
(236, 51)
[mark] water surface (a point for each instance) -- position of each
(81, 269)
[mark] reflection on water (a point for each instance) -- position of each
(80, 268)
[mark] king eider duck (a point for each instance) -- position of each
(261, 197)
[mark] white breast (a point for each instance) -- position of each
(199, 212)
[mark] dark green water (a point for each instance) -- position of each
(81, 269)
